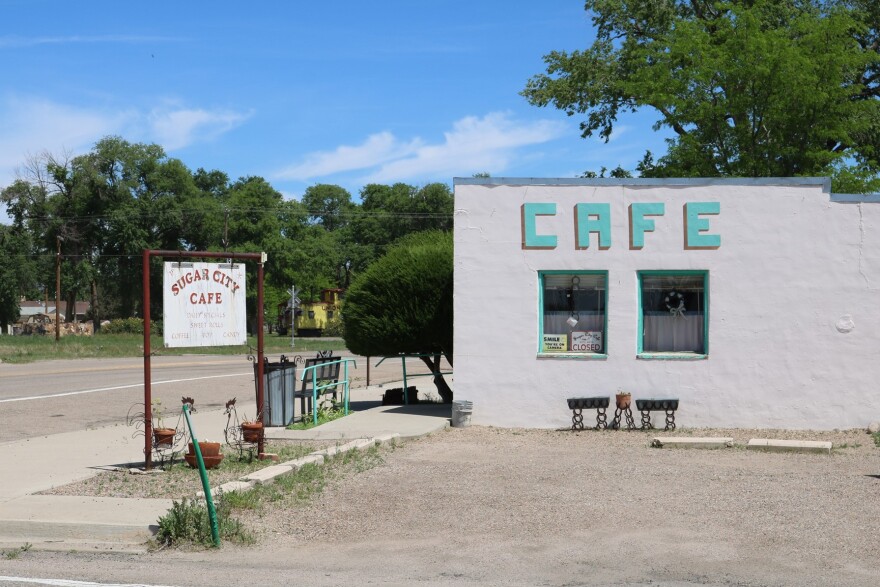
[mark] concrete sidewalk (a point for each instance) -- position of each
(52, 522)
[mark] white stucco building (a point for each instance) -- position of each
(756, 303)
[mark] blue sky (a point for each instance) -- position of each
(302, 92)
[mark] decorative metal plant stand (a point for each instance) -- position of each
(578, 404)
(646, 406)
(233, 434)
(163, 453)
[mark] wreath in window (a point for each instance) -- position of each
(675, 303)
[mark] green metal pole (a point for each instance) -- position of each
(345, 385)
(315, 396)
(209, 501)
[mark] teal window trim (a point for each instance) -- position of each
(570, 355)
(574, 356)
(671, 357)
(640, 351)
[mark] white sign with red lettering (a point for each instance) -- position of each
(204, 304)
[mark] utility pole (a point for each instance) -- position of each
(57, 288)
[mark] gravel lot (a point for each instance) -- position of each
(492, 506)
(487, 506)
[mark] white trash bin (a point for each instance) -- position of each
(461, 413)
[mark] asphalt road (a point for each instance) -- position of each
(51, 397)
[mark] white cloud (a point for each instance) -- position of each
(376, 150)
(30, 125)
(17, 42)
(178, 128)
(474, 144)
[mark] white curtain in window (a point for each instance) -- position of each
(555, 323)
(667, 333)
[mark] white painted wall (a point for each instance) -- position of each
(791, 265)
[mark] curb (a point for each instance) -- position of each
(269, 474)
(799, 446)
(692, 442)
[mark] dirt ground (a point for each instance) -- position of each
(496, 506)
(487, 506)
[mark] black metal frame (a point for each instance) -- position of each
(646, 406)
(578, 404)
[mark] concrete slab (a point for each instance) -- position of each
(801, 446)
(386, 438)
(691, 442)
(407, 421)
(314, 458)
(61, 522)
(268, 474)
(227, 487)
(38, 464)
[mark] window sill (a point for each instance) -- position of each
(672, 357)
(575, 356)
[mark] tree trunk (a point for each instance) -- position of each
(70, 309)
(443, 388)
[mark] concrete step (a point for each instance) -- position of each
(60, 522)
(691, 442)
(801, 446)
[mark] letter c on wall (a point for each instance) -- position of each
(530, 237)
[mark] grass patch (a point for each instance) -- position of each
(848, 445)
(187, 523)
(876, 436)
(326, 413)
(306, 483)
(27, 349)
(16, 552)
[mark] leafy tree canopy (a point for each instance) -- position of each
(403, 303)
(328, 205)
(750, 87)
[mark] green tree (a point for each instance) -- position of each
(328, 205)
(19, 270)
(105, 207)
(388, 213)
(749, 87)
(402, 303)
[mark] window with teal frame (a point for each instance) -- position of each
(572, 315)
(674, 314)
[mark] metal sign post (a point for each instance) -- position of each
(260, 258)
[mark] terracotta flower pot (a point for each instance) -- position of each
(252, 431)
(210, 455)
(163, 436)
(210, 462)
(623, 400)
(209, 449)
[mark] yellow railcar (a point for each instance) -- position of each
(312, 318)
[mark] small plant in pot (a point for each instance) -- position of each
(251, 430)
(162, 435)
(623, 398)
